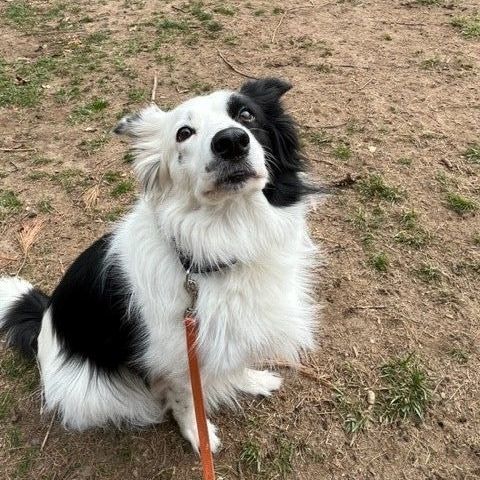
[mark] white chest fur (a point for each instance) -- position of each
(257, 310)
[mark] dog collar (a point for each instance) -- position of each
(190, 267)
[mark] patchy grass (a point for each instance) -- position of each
(353, 411)
(460, 204)
(460, 355)
(428, 2)
(89, 111)
(137, 95)
(469, 27)
(20, 14)
(122, 188)
(45, 205)
(69, 178)
(407, 390)
(7, 402)
(412, 234)
(380, 262)
(319, 138)
(374, 187)
(406, 161)
(429, 274)
(19, 371)
(251, 456)
(94, 144)
(225, 10)
(9, 202)
(472, 153)
(21, 82)
(342, 151)
(128, 157)
(283, 458)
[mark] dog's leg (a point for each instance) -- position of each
(180, 401)
(258, 382)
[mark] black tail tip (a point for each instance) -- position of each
(23, 321)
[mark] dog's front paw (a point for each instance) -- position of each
(190, 433)
(260, 382)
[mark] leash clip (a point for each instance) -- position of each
(191, 286)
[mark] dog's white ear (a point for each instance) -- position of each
(139, 124)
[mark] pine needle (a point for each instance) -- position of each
(26, 238)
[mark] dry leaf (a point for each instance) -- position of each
(90, 197)
(28, 234)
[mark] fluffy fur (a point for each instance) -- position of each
(111, 341)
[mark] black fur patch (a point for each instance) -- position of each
(277, 133)
(24, 320)
(90, 313)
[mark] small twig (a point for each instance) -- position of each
(48, 432)
(326, 162)
(278, 25)
(181, 92)
(346, 65)
(338, 125)
(291, 10)
(306, 372)
(364, 85)
(246, 75)
(368, 307)
(179, 9)
(408, 24)
(17, 149)
(7, 258)
(447, 163)
(154, 88)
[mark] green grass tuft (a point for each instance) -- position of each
(407, 389)
(251, 456)
(429, 273)
(460, 204)
(88, 111)
(6, 404)
(225, 10)
(342, 151)
(469, 26)
(460, 355)
(122, 188)
(380, 262)
(9, 202)
(45, 205)
(472, 153)
(374, 187)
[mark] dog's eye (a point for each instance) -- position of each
(184, 133)
(246, 115)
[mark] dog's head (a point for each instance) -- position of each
(220, 145)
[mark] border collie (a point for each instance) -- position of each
(223, 196)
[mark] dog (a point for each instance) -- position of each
(223, 197)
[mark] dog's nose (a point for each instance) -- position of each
(231, 143)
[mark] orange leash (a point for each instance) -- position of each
(198, 403)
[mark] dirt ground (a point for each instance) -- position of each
(387, 98)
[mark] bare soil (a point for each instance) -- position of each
(386, 91)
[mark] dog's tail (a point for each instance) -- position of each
(21, 312)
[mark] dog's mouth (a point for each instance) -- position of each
(235, 178)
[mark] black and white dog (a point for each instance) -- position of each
(224, 196)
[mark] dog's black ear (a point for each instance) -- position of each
(270, 86)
